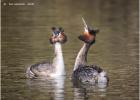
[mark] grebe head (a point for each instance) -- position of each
(58, 35)
(89, 34)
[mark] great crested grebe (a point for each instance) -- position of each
(57, 67)
(87, 73)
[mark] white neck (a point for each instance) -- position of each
(58, 62)
(81, 58)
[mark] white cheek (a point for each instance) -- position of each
(86, 30)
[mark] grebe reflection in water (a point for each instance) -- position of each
(57, 67)
(52, 87)
(87, 73)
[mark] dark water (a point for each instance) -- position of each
(27, 28)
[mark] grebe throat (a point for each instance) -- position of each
(58, 62)
(81, 58)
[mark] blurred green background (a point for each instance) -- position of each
(25, 40)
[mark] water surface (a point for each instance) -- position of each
(25, 40)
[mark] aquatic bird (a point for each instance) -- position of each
(87, 73)
(45, 69)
